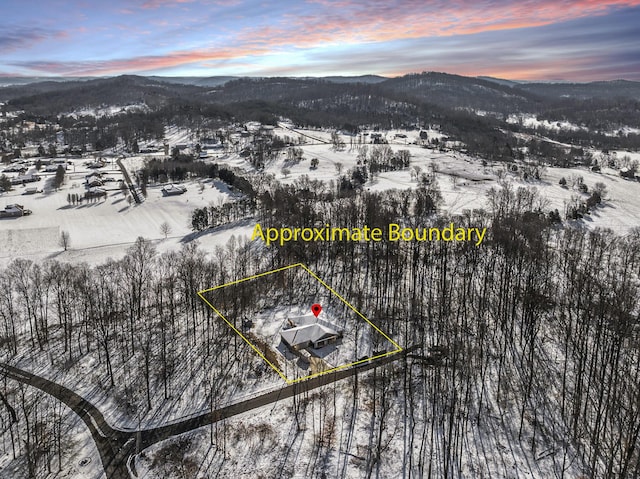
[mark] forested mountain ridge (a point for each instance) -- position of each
(483, 114)
(453, 91)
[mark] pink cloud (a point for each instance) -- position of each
(345, 22)
(137, 64)
(383, 21)
(163, 3)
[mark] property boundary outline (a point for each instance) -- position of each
(276, 369)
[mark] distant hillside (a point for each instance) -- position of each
(355, 79)
(10, 81)
(583, 91)
(431, 97)
(196, 81)
(455, 91)
(222, 80)
(445, 90)
(500, 81)
(48, 97)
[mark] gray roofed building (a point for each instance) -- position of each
(172, 190)
(309, 335)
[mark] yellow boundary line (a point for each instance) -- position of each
(280, 373)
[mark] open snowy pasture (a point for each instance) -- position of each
(104, 228)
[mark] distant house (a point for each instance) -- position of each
(208, 142)
(75, 151)
(376, 138)
(14, 211)
(149, 149)
(15, 168)
(53, 168)
(314, 335)
(95, 193)
(173, 190)
(96, 164)
(19, 180)
(94, 180)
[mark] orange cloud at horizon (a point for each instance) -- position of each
(349, 23)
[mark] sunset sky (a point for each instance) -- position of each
(579, 40)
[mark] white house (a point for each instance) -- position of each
(309, 335)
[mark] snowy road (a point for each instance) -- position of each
(116, 447)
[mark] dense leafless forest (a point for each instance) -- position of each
(532, 337)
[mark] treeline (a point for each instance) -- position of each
(540, 327)
(139, 318)
(212, 216)
(160, 171)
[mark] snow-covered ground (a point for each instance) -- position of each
(464, 181)
(108, 110)
(106, 228)
(531, 121)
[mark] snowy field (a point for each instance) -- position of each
(103, 229)
(464, 181)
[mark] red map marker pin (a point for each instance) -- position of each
(315, 309)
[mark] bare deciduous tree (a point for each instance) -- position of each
(165, 229)
(65, 240)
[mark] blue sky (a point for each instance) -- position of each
(579, 40)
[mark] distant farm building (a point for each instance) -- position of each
(94, 180)
(19, 180)
(173, 190)
(14, 211)
(95, 193)
(100, 163)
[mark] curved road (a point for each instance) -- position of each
(110, 442)
(116, 446)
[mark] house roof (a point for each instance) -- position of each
(309, 333)
(173, 189)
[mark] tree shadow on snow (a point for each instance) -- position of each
(217, 229)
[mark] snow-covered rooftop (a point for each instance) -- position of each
(307, 334)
